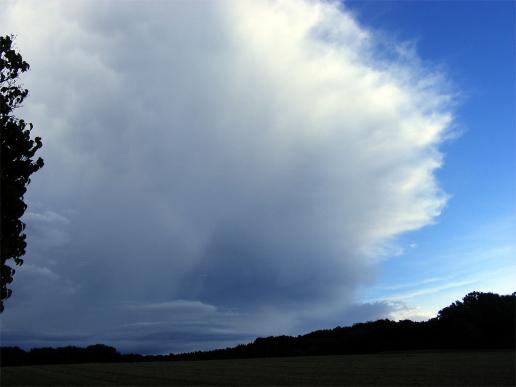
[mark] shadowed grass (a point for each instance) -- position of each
(411, 368)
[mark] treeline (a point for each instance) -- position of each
(479, 321)
(98, 353)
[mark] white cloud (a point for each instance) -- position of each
(255, 156)
(401, 311)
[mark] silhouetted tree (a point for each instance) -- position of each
(480, 320)
(17, 162)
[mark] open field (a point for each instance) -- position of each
(411, 368)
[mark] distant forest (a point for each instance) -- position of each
(479, 321)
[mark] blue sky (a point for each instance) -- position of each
(217, 171)
(472, 243)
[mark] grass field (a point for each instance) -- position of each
(415, 369)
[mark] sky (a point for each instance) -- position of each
(218, 171)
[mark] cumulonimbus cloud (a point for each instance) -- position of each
(255, 156)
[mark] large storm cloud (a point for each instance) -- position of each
(214, 171)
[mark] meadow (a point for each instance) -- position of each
(482, 368)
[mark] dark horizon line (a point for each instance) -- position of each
(479, 321)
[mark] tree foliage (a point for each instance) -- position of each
(17, 163)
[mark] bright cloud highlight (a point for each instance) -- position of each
(248, 162)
